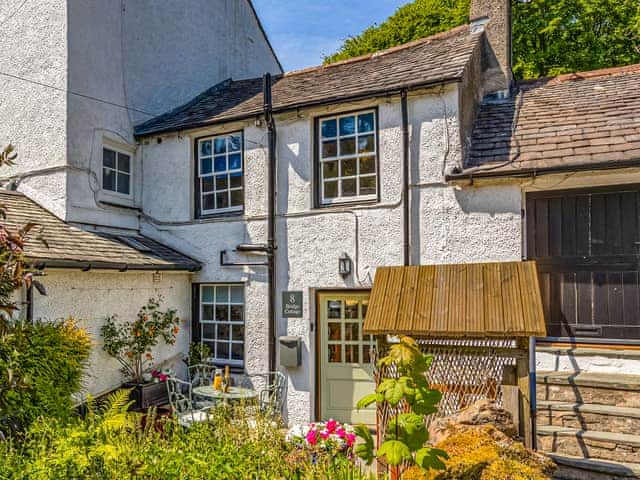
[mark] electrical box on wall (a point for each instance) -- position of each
(290, 351)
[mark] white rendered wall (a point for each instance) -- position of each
(91, 297)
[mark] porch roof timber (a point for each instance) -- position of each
(478, 300)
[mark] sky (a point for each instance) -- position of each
(303, 31)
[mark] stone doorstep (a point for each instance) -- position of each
(611, 381)
(590, 352)
(604, 418)
(576, 468)
(590, 444)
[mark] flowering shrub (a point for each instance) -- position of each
(131, 342)
(331, 435)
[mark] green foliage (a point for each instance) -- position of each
(111, 442)
(418, 19)
(41, 366)
(131, 342)
(406, 434)
(551, 37)
(198, 353)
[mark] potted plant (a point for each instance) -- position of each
(131, 343)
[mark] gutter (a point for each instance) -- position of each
(121, 267)
(296, 106)
(528, 172)
(406, 228)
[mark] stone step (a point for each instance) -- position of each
(621, 390)
(593, 417)
(617, 447)
(576, 468)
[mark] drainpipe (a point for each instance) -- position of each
(271, 220)
(406, 245)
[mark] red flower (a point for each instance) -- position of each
(332, 425)
(351, 439)
(312, 437)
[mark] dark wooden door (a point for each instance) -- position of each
(587, 247)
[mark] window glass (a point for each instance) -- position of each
(116, 171)
(347, 155)
(222, 322)
(220, 173)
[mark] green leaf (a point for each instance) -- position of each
(367, 400)
(364, 449)
(431, 458)
(394, 451)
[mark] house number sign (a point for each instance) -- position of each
(292, 304)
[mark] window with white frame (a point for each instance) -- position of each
(347, 153)
(220, 172)
(222, 322)
(116, 171)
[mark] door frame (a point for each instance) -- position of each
(318, 345)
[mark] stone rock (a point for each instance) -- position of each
(483, 412)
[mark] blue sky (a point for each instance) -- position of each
(302, 31)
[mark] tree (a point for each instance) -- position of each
(550, 37)
(418, 19)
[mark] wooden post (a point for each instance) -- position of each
(524, 386)
(510, 393)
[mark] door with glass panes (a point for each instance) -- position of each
(346, 372)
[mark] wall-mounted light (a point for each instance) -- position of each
(344, 265)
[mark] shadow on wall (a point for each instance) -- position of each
(489, 200)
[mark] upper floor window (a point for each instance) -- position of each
(347, 153)
(116, 171)
(220, 170)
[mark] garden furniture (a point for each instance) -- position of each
(181, 401)
(271, 387)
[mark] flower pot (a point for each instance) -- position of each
(147, 395)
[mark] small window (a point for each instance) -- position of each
(116, 171)
(347, 153)
(222, 322)
(220, 174)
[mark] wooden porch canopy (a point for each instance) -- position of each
(482, 300)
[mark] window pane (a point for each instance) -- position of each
(235, 162)
(366, 354)
(335, 353)
(367, 165)
(349, 187)
(124, 163)
(330, 169)
(208, 202)
(237, 313)
(365, 122)
(351, 354)
(123, 183)
(207, 312)
(221, 182)
(329, 128)
(368, 185)
(236, 198)
(237, 332)
(237, 294)
(222, 313)
(334, 307)
(348, 146)
(205, 148)
(222, 200)
(329, 149)
(365, 306)
(205, 166)
(235, 179)
(351, 309)
(351, 330)
(347, 125)
(209, 331)
(108, 179)
(330, 189)
(220, 164)
(207, 184)
(334, 331)
(223, 331)
(235, 143)
(222, 350)
(222, 294)
(366, 144)
(207, 294)
(220, 145)
(349, 167)
(237, 351)
(108, 158)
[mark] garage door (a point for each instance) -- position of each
(587, 246)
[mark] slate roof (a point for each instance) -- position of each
(441, 57)
(67, 246)
(577, 120)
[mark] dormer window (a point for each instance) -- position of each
(116, 171)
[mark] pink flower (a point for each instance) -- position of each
(351, 439)
(312, 437)
(332, 425)
(162, 377)
(341, 432)
(324, 435)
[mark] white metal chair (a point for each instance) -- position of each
(182, 405)
(271, 388)
(201, 374)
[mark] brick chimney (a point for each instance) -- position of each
(495, 15)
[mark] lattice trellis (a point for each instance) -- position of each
(465, 371)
